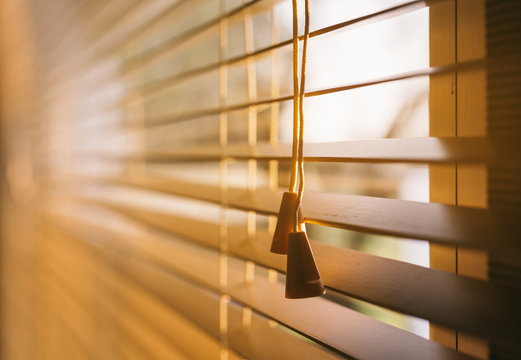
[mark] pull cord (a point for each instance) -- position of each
(296, 132)
(300, 149)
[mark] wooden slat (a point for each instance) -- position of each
(80, 323)
(471, 305)
(262, 340)
(185, 295)
(157, 247)
(378, 16)
(200, 264)
(245, 340)
(117, 35)
(332, 324)
(144, 333)
(168, 81)
(433, 70)
(478, 307)
(135, 298)
(170, 324)
(413, 150)
(433, 150)
(197, 303)
(169, 44)
(199, 191)
(467, 304)
(164, 119)
(205, 232)
(151, 14)
(440, 223)
(445, 224)
(327, 322)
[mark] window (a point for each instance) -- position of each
(147, 145)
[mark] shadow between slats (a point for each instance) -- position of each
(439, 223)
(326, 322)
(478, 307)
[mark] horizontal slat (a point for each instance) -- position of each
(327, 322)
(445, 224)
(244, 339)
(196, 191)
(196, 262)
(389, 150)
(199, 304)
(74, 324)
(239, 244)
(251, 339)
(65, 297)
(165, 82)
(160, 120)
(119, 34)
(169, 324)
(141, 18)
(129, 341)
(434, 70)
(206, 233)
(187, 297)
(332, 324)
(412, 150)
(159, 325)
(156, 346)
(475, 306)
(151, 14)
(169, 44)
(201, 264)
(477, 228)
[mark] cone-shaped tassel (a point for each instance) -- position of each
(285, 223)
(302, 276)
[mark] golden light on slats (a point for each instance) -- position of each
(145, 149)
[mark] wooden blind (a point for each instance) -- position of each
(145, 159)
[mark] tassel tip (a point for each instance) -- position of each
(302, 276)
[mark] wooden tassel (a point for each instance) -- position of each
(302, 276)
(285, 223)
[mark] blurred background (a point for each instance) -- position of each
(112, 110)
